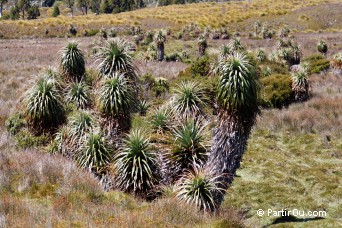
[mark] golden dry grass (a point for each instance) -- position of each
(173, 16)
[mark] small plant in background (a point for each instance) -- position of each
(300, 84)
(198, 187)
(142, 107)
(284, 32)
(79, 94)
(112, 33)
(160, 119)
(236, 46)
(336, 63)
(189, 99)
(322, 47)
(160, 40)
(202, 45)
(190, 149)
(261, 55)
(72, 62)
(257, 28)
(72, 30)
(15, 123)
(160, 86)
(135, 164)
(44, 106)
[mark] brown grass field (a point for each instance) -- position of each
(294, 156)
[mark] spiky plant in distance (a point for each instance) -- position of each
(135, 164)
(72, 62)
(160, 40)
(62, 142)
(237, 100)
(198, 187)
(94, 154)
(80, 123)
(300, 85)
(115, 57)
(189, 149)
(160, 86)
(114, 99)
(79, 93)
(202, 45)
(261, 56)
(142, 107)
(189, 99)
(236, 45)
(44, 105)
(336, 63)
(160, 119)
(322, 47)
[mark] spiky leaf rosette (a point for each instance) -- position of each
(202, 45)
(236, 46)
(115, 96)
(237, 91)
(160, 86)
(72, 62)
(80, 124)
(189, 148)
(63, 143)
(160, 119)
(197, 188)
(189, 99)
(115, 57)
(79, 93)
(322, 47)
(94, 153)
(300, 84)
(135, 164)
(261, 56)
(44, 105)
(142, 107)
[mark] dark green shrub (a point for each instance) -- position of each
(319, 66)
(33, 12)
(276, 68)
(276, 91)
(56, 11)
(200, 67)
(317, 63)
(14, 13)
(91, 32)
(14, 124)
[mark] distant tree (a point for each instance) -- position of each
(2, 3)
(84, 5)
(95, 6)
(33, 12)
(106, 7)
(56, 11)
(70, 4)
(14, 13)
(48, 3)
(23, 5)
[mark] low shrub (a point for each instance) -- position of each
(317, 63)
(14, 124)
(24, 139)
(277, 91)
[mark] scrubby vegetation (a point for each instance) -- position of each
(171, 125)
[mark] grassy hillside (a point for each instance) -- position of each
(294, 155)
(234, 14)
